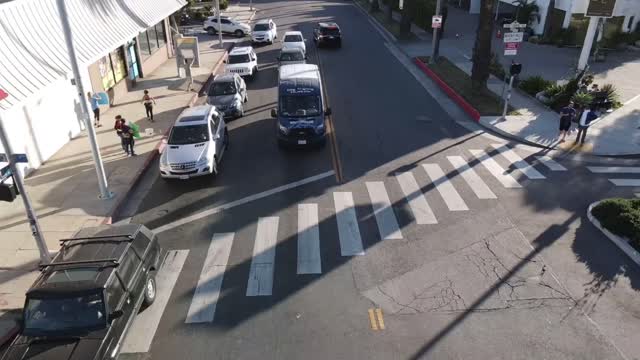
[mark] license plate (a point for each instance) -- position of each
(184, 177)
(302, 142)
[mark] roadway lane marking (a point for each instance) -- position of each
(445, 188)
(515, 159)
(248, 199)
(417, 202)
(380, 319)
(372, 320)
(376, 320)
(348, 230)
(207, 294)
(386, 219)
(495, 169)
(143, 329)
(625, 182)
(474, 181)
(614, 169)
(550, 163)
(308, 240)
(264, 255)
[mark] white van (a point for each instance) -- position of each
(197, 141)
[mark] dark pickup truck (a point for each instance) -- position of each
(85, 300)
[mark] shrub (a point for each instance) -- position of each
(534, 84)
(554, 90)
(621, 217)
(612, 92)
(224, 4)
(582, 100)
(570, 89)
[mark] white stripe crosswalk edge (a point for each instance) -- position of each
(264, 253)
(550, 163)
(614, 169)
(143, 329)
(207, 294)
(495, 169)
(385, 218)
(348, 230)
(449, 194)
(515, 160)
(417, 202)
(474, 181)
(309, 261)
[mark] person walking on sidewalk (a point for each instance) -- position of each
(127, 139)
(93, 100)
(566, 116)
(118, 128)
(148, 102)
(587, 117)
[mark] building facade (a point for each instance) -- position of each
(116, 42)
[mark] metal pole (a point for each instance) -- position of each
(31, 214)
(95, 150)
(506, 103)
(251, 4)
(219, 24)
(436, 43)
(497, 10)
(588, 42)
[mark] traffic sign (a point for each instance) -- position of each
(513, 37)
(17, 158)
(514, 26)
(511, 48)
(3, 94)
(602, 8)
(436, 21)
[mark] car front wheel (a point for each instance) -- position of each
(211, 30)
(239, 33)
(149, 290)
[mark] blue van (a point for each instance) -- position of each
(301, 113)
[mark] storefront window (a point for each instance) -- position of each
(160, 31)
(151, 40)
(106, 73)
(119, 67)
(143, 40)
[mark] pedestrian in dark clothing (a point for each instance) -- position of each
(127, 139)
(566, 116)
(118, 127)
(148, 102)
(587, 117)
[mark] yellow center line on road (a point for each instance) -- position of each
(372, 319)
(380, 318)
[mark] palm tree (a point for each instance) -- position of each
(482, 48)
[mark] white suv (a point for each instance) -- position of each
(196, 144)
(294, 39)
(242, 61)
(227, 26)
(264, 31)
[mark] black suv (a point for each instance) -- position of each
(85, 300)
(327, 34)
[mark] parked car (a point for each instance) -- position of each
(228, 93)
(197, 142)
(291, 56)
(242, 61)
(83, 302)
(264, 31)
(327, 34)
(294, 39)
(227, 26)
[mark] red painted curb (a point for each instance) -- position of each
(9, 335)
(457, 98)
(158, 148)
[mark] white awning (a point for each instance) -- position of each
(33, 53)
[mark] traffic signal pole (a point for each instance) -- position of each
(31, 214)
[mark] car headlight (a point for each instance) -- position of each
(320, 128)
(163, 160)
(283, 129)
(236, 103)
(203, 161)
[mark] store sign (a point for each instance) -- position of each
(602, 8)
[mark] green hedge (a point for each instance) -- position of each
(534, 84)
(621, 217)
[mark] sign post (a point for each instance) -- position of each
(31, 214)
(436, 24)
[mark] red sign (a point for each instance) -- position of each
(511, 46)
(3, 94)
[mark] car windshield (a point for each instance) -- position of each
(238, 59)
(291, 56)
(306, 105)
(330, 31)
(222, 88)
(261, 27)
(191, 134)
(293, 38)
(77, 314)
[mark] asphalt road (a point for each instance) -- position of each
(487, 264)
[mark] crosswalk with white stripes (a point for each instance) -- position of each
(438, 176)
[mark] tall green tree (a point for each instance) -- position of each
(482, 48)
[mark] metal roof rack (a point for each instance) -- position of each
(111, 261)
(113, 238)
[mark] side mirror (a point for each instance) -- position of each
(274, 113)
(116, 314)
(327, 112)
(224, 61)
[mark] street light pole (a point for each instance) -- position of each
(31, 214)
(219, 23)
(95, 150)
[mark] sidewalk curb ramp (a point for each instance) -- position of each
(620, 242)
(457, 98)
(117, 208)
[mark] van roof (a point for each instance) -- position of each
(194, 115)
(241, 50)
(299, 71)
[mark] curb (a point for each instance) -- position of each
(117, 208)
(457, 98)
(620, 242)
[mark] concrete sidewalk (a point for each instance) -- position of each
(64, 190)
(614, 134)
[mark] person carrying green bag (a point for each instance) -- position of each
(136, 130)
